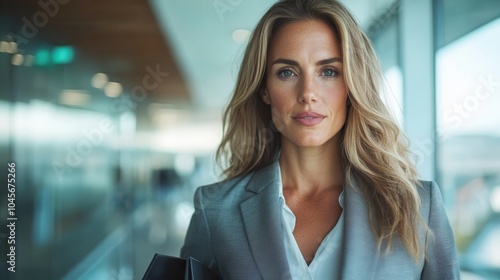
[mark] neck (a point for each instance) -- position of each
(311, 169)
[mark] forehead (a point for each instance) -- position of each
(297, 37)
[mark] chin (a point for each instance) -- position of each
(309, 142)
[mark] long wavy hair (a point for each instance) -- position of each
(374, 151)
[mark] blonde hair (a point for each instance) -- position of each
(374, 150)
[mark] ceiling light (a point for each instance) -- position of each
(8, 47)
(17, 59)
(99, 80)
(13, 47)
(4, 47)
(240, 36)
(113, 89)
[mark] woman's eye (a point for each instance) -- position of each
(286, 73)
(330, 72)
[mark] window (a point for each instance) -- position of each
(468, 142)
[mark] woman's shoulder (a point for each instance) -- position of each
(225, 191)
(240, 187)
(429, 190)
(431, 200)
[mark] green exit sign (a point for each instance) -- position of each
(58, 55)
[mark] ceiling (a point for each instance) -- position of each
(119, 37)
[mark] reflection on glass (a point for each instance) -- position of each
(468, 137)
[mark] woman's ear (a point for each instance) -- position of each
(265, 97)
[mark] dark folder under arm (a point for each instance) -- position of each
(164, 267)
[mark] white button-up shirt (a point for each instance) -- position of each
(326, 261)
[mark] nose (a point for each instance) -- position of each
(307, 93)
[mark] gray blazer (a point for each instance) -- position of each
(236, 230)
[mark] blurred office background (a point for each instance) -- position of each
(111, 111)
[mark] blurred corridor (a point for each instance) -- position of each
(110, 114)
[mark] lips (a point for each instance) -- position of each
(308, 118)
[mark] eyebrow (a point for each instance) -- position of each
(295, 63)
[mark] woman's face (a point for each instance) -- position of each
(305, 86)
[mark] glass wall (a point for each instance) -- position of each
(468, 128)
(465, 148)
(95, 197)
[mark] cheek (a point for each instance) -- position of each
(338, 106)
(279, 110)
(337, 99)
(281, 97)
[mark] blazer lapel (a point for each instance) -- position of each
(360, 254)
(261, 215)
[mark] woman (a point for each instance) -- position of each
(319, 184)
